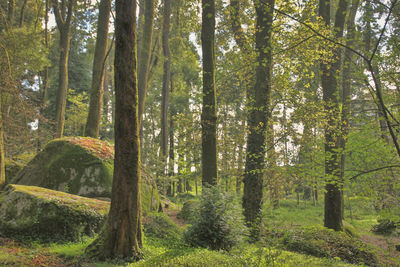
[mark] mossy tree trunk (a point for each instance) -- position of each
(258, 117)
(166, 78)
(121, 236)
(208, 115)
(330, 70)
(92, 128)
(2, 154)
(63, 16)
(346, 85)
(145, 44)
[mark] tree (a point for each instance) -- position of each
(166, 78)
(208, 115)
(121, 235)
(330, 70)
(92, 128)
(145, 54)
(258, 117)
(63, 16)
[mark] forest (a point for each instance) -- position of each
(199, 133)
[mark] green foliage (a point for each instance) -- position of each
(189, 211)
(385, 227)
(219, 222)
(161, 226)
(322, 242)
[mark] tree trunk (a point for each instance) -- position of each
(2, 154)
(64, 26)
(121, 235)
(45, 77)
(10, 13)
(92, 128)
(333, 195)
(144, 54)
(346, 88)
(166, 79)
(208, 115)
(22, 14)
(171, 164)
(258, 117)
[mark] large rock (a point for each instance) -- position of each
(49, 215)
(80, 166)
(12, 167)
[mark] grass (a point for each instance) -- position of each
(172, 251)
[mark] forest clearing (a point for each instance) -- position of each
(199, 133)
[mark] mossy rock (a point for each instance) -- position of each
(12, 168)
(44, 214)
(323, 242)
(161, 226)
(81, 166)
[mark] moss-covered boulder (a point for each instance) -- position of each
(12, 168)
(49, 215)
(80, 166)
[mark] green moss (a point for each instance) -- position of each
(161, 226)
(12, 167)
(49, 215)
(80, 166)
(323, 242)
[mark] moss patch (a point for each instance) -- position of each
(322, 242)
(49, 215)
(12, 168)
(81, 166)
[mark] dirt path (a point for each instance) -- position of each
(385, 247)
(173, 215)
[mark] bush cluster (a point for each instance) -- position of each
(219, 224)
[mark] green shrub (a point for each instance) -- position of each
(322, 242)
(385, 227)
(189, 210)
(161, 226)
(219, 223)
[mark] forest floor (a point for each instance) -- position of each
(173, 252)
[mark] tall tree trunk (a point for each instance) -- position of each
(45, 78)
(171, 163)
(208, 115)
(271, 164)
(10, 13)
(258, 117)
(346, 87)
(63, 20)
(144, 54)
(2, 154)
(166, 79)
(121, 235)
(92, 128)
(22, 14)
(333, 195)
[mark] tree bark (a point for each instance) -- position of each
(121, 235)
(92, 128)
(330, 70)
(259, 97)
(145, 55)
(346, 87)
(166, 79)
(2, 154)
(63, 20)
(10, 13)
(22, 14)
(208, 115)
